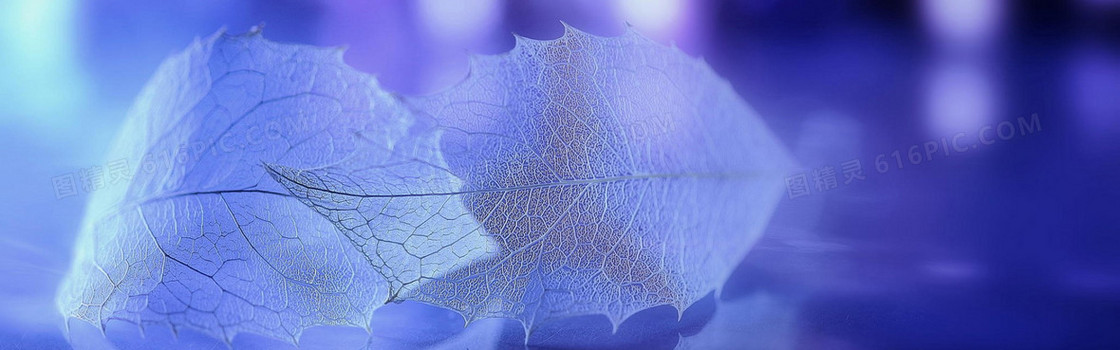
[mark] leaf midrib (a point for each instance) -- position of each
(735, 176)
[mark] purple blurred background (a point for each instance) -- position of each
(1012, 244)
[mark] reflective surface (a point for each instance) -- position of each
(954, 243)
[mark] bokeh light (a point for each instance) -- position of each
(963, 22)
(960, 97)
(43, 83)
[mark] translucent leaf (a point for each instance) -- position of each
(615, 174)
(274, 188)
(201, 236)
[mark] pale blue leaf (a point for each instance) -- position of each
(274, 188)
(202, 237)
(615, 174)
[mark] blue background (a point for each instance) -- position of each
(1010, 244)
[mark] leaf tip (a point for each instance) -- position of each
(255, 30)
(527, 329)
(569, 29)
(520, 41)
